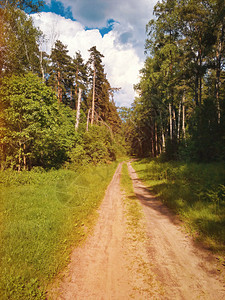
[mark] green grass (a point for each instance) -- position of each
(194, 191)
(133, 208)
(42, 215)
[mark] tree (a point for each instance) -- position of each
(19, 43)
(60, 65)
(180, 79)
(28, 5)
(34, 129)
(78, 79)
(102, 108)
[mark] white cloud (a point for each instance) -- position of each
(122, 63)
(132, 16)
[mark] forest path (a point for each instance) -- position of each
(113, 264)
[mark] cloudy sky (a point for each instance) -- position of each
(115, 27)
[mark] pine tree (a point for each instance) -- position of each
(79, 75)
(59, 71)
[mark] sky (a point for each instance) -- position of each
(115, 27)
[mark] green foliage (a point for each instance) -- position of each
(95, 146)
(207, 141)
(19, 43)
(194, 191)
(35, 130)
(42, 215)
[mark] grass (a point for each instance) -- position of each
(196, 192)
(133, 207)
(42, 215)
(145, 283)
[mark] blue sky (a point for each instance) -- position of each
(115, 27)
(58, 8)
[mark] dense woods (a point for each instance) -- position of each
(51, 105)
(180, 109)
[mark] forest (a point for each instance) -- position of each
(54, 108)
(180, 110)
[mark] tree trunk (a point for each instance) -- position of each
(200, 78)
(78, 110)
(59, 87)
(196, 89)
(93, 98)
(24, 158)
(183, 117)
(41, 66)
(178, 125)
(76, 89)
(88, 117)
(153, 147)
(174, 123)
(171, 121)
(163, 146)
(156, 141)
(19, 158)
(163, 141)
(218, 74)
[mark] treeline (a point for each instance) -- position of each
(181, 109)
(53, 108)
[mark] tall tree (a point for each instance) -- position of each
(79, 78)
(19, 43)
(60, 65)
(102, 105)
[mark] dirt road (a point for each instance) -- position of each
(114, 265)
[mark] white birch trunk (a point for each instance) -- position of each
(178, 125)
(93, 99)
(171, 122)
(183, 117)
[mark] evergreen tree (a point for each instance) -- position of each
(59, 71)
(79, 78)
(102, 108)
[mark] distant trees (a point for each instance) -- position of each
(180, 110)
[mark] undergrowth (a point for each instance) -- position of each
(42, 215)
(194, 191)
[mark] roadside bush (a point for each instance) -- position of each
(96, 146)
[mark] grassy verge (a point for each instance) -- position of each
(145, 284)
(133, 207)
(42, 214)
(194, 191)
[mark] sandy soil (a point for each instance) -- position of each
(114, 264)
